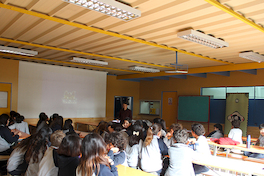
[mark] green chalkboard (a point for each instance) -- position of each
(193, 108)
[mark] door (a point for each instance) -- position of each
(5, 97)
(169, 107)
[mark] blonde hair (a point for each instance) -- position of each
(153, 130)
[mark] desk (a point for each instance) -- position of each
(23, 135)
(128, 171)
(240, 166)
(242, 147)
(81, 133)
(90, 125)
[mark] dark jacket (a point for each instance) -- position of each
(105, 171)
(67, 165)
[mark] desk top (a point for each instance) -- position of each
(128, 171)
(87, 123)
(23, 135)
(253, 148)
(245, 167)
(81, 133)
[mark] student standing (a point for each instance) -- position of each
(125, 112)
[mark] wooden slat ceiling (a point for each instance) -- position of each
(159, 23)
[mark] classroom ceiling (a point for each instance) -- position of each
(59, 30)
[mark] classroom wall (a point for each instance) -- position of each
(9, 74)
(117, 87)
(192, 85)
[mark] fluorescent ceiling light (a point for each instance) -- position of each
(109, 7)
(177, 71)
(144, 69)
(12, 50)
(252, 56)
(203, 39)
(88, 61)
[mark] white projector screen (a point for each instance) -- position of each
(70, 92)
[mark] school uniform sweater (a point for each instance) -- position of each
(132, 155)
(46, 165)
(181, 157)
(7, 138)
(151, 155)
(67, 165)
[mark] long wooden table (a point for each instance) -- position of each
(239, 166)
(128, 171)
(90, 125)
(23, 135)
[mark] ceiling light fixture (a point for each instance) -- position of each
(109, 7)
(178, 68)
(250, 55)
(12, 50)
(88, 61)
(144, 69)
(203, 39)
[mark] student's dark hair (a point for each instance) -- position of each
(58, 120)
(118, 127)
(139, 122)
(35, 144)
(56, 138)
(117, 139)
(127, 119)
(137, 134)
(93, 150)
(153, 130)
(176, 127)
(3, 119)
(198, 129)
(161, 122)
(261, 126)
(181, 136)
(101, 127)
(145, 126)
(67, 124)
(219, 127)
(43, 116)
(19, 119)
(70, 146)
(12, 113)
(236, 123)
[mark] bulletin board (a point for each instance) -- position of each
(194, 108)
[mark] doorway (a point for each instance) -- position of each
(119, 100)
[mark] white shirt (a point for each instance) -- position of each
(236, 135)
(23, 126)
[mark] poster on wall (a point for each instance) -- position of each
(170, 101)
(236, 109)
(3, 99)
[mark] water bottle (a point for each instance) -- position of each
(248, 141)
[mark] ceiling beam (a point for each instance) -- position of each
(200, 75)
(80, 52)
(114, 34)
(222, 68)
(179, 76)
(235, 14)
(253, 72)
(222, 73)
(63, 62)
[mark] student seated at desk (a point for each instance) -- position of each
(169, 140)
(259, 142)
(152, 151)
(20, 125)
(7, 138)
(46, 165)
(68, 128)
(116, 144)
(28, 154)
(218, 131)
(94, 162)
(201, 146)
(66, 158)
(236, 133)
(181, 156)
(43, 118)
(57, 124)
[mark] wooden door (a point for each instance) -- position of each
(5, 97)
(169, 107)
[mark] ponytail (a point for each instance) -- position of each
(153, 130)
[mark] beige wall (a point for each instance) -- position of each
(121, 88)
(9, 74)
